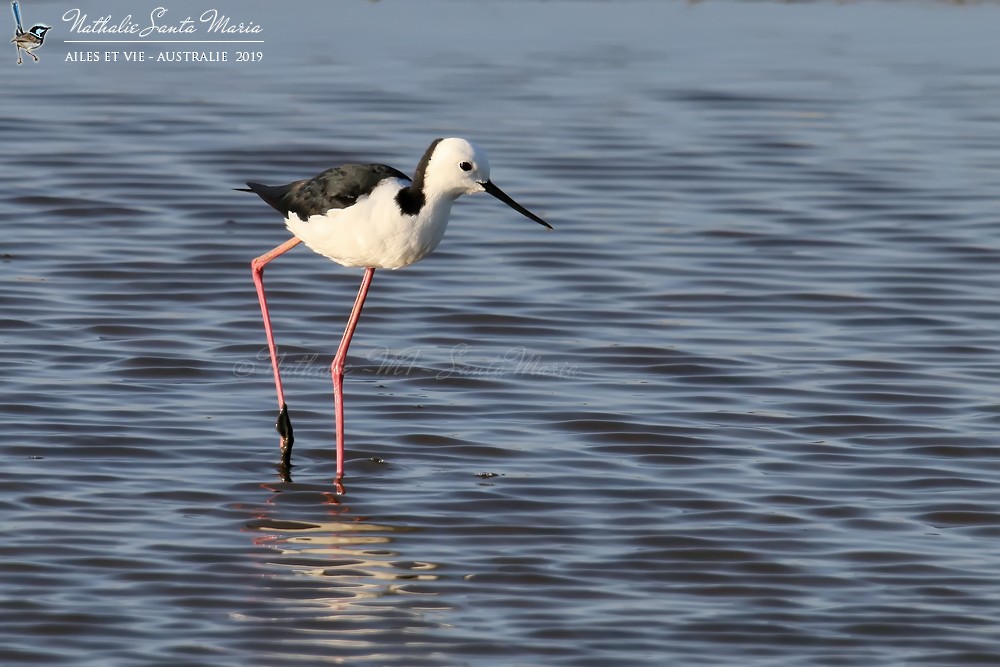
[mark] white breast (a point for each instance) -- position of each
(374, 232)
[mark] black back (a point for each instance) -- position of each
(339, 187)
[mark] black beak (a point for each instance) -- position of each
(502, 196)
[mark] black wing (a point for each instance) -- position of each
(339, 187)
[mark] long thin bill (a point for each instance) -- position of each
(505, 198)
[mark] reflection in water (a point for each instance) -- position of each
(335, 582)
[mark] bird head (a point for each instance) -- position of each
(40, 30)
(458, 167)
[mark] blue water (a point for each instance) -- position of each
(739, 408)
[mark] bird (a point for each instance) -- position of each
(369, 216)
(29, 41)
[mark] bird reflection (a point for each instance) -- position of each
(338, 579)
(285, 475)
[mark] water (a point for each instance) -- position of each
(740, 408)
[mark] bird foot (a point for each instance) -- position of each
(284, 428)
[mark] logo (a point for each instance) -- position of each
(26, 41)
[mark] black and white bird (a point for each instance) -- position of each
(29, 41)
(370, 216)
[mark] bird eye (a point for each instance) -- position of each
(465, 166)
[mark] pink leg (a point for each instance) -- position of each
(284, 425)
(337, 367)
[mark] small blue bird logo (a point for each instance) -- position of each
(27, 40)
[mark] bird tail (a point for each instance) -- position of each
(275, 196)
(17, 16)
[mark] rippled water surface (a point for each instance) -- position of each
(739, 408)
